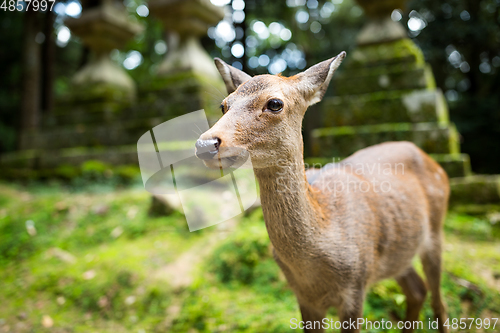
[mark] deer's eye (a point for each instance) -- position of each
(222, 108)
(275, 105)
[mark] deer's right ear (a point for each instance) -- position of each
(314, 81)
(233, 77)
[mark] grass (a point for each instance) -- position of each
(95, 261)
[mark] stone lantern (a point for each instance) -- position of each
(380, 27)
(185, 21)
(385, 91)
(104, 28)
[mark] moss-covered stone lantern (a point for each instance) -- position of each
(103, 28)
(386, 91)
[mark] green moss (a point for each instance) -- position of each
(345, 140)
(186, 78)
(19, 159)
(383, 107)
(454, 140)
(472, 228)
(119, 283)
(67, 171)
(442, 109)
(93, 166)
(455, 165)
(240, 257)
(397, 77)
(208, 92)
(383, 54)
(430, 82)
(477, 189)
(102, 95)
(346, 130)
(127, 172)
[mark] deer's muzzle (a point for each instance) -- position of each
(207, 149)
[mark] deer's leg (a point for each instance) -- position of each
(431, 261)
(314, 317)
(349, 313)
(415, 292)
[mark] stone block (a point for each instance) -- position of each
(477, 189)
(403, 51)
(47, 159)
(455, 165)
(161, 97)
(345, 140)
(26, 159)
(98, 114)
(396, 77)
(385, 107)
(89, 135)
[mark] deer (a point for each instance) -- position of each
(337, 230)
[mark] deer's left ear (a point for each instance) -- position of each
(314, 81)
(233, 77)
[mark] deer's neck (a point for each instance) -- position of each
(289, 208)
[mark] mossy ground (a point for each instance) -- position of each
(99, 263)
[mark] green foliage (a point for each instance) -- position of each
(90, 222)
(90, 174)
(219, 309)
(120, 257)
(67, 171)
(92, 255)
(478, 228)
(238, 258)
(94, 168)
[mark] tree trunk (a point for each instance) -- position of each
(48, 61)
(30, 107)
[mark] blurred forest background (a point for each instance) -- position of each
(459, 38)
(95, 253)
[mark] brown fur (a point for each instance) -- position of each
(330, 244)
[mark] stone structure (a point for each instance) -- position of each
(104, 28)
(99, 121)
(387, 92)
(185, 21)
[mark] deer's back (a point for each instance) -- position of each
(386, 201)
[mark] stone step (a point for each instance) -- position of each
(418, 106)
(47, 162)
(396, 77)
(477, 189)
(171, 96)
(92, 135)
(455, 165)
(113, 155)
(50, 159)
(343, 141)
(98, 113)
(402, 51)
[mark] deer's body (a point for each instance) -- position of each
(331, 247)
(336, 230)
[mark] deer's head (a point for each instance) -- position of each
(263, 115)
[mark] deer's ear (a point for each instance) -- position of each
(233, 77)
(314, 81)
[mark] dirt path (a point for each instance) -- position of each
(179, 273)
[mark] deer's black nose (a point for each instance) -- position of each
(207, 149)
